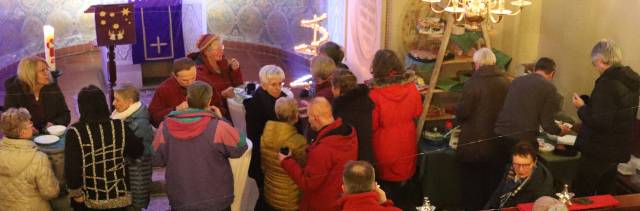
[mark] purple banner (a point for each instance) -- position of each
(155, 3)
(159, 30)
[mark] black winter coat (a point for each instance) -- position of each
(477, 111)
(259, 109)
(51, 106)
(609, 115)
(355, 107)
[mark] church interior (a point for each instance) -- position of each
(549, 89)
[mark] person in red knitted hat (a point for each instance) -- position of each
(214, 68)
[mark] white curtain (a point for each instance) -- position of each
(364, 35)
(336, 21)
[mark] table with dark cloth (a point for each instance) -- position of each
(55, 152)
(440, 177)
(562, 168)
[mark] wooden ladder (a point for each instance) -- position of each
(435, 74)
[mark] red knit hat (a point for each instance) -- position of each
(205, 40)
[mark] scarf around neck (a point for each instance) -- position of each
(126, 113)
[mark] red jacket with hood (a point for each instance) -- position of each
(321, 179)
(397, 104)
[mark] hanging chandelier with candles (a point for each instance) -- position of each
(476, 11)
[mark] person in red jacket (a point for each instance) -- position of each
(361, 190)
(320, 180)
(214, 68)
(397, 105)
(171, 94)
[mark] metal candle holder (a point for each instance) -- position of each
(426, 206)
(565, 196)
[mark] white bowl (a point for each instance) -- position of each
(46, 139)
(56, 130)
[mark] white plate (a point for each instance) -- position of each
(567, 140)
(547, 147)
(46, 139)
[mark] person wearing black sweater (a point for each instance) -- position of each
(32, 88)
(353, 105)
(95, 150)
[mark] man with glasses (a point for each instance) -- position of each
(525, 179)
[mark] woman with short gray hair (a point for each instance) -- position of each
(126, 101)
(26, 176)
(259, 109)
(483, 57)
(607, 119)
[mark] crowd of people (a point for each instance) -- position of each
(324, 163)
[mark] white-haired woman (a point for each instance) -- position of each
(129, 108)
(482, 97)
(607, 121)
(34, 90)
(260, 109)
(26, 176)
(280, 191)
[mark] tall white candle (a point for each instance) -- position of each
(49, 47)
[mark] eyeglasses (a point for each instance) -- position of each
(522, 165)
(220, 48)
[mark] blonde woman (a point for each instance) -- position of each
(280, 191)
(26, 176)
(34, 90)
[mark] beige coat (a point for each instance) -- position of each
(26, 176)
(280, 191)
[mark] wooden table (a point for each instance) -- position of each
(627, 202)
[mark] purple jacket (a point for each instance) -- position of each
(195, 147)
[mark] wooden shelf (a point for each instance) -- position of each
(441, 117)
(425, 91)
(459, 60)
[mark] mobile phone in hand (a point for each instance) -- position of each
(284, 150)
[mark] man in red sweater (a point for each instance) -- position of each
(171, 95)
(361, 190)
(320, 180)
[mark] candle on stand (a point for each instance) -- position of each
(49, 47)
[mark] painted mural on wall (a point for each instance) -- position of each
(269, 22)
(21, 24)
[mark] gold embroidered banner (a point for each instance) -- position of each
(115, 24)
